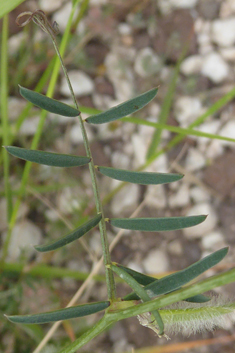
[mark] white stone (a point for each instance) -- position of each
(210, 127)
(156, 262)
(120, 160)
(126, 200)
(140, 150)
(15, 106)
(211, 240)
(24, 235)
(62, 16)
(124, 29)
(228, 130)
(155, 196)
(175, 247)
(228, 54)
(82, 84)
(135, 266)
(147, 63)
(76, 134)
(214, 150)
(187, 109)
(50, 6)
(191, 65)
(204, 227)
(223, 32)
(227, 8)
(29, 126)
(120, 74)
(199, 195)
(160, 165)
(194, 160)
(215, 68)
(68, 201)
(180, 198)
(183, 4)
(98, 2)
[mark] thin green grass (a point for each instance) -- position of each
(37, 135)
(4, 113)
(166, 104)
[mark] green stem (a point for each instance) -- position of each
(98, 328)
(45, 25)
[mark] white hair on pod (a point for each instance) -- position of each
(190, 318)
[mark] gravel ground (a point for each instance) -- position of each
(131, 47)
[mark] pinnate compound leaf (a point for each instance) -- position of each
(144, 178)
(157, 224)
(76, 234)
(176, 280)
(49, 104)
(145, 280)
(48, 158)
(62, 314)
(123, 109)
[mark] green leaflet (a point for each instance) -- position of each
(48, 158)
(145, 280)
(76, 234)
(123, 109)
(144, 178)
(157, 224)
(49, 104)
(176, 280)
(138, 290)
(62, 314)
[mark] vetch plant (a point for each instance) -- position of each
(151, 300)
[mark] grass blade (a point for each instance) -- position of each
(144, 178)
(47, 103)
(123, 109)
(157, 224)
(76, 234)
(48, 158)
(176, 280)
(62, 314)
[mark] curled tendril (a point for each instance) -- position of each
(38, 17)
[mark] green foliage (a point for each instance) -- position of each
(145, 287)
(157, 224)
(123, 109)
(49, 104)
(144, 178)
(76, 234)
(47, 158)
(62, 314)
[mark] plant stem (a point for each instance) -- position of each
(99, 208)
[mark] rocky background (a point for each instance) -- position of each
(121, 49)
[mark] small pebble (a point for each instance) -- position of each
(186, 109)
(147, 63)
(180, 198)
(228, 130)
(82, 84)
(212, 240)
(126, 200)
(156, 262)
(191, 65)
(223, 32)
(215, 68)
(155, 196)
(194, 160)
(208, 225)
(25, 234)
